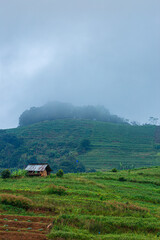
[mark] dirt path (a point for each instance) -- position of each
(14, 227)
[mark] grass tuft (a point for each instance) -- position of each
(16, 201)
(53, 189)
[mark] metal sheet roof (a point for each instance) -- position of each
(36, 168)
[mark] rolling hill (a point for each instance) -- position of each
(112, 145)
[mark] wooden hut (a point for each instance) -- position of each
(41, 169)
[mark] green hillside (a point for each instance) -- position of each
(111, 145)
(122, 146)
(121, 205)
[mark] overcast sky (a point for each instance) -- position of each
(84, 52)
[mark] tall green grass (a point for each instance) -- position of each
(94, 206)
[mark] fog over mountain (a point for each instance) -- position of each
(84, 52)
(57, 110)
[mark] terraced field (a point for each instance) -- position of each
(15, 227)
(121, 205)
(121, 146)
(112, 145)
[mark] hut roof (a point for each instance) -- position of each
(37, 167)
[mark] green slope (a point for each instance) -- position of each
(121, 146)
(112, 145)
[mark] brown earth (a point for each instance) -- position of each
(26, 218)
(21, 236)
(15, 227)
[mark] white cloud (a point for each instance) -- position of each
(25, 61)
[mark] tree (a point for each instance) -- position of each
(85, 144)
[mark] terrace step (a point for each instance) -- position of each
(11, 235)
(15, 227)
(26, 218)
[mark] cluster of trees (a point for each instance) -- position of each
(68, 163)
(16, 152)
(10, 149)
(57, 110)
(10, 139)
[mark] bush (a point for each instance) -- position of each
(19, 173)
(16, 201)
(71, 164)
(158, 234)
(60, 173)
(85, 143)
(84, 146)
(114, 170)
(95, 226)
(5, 174)
(122, 179)
(53, 189)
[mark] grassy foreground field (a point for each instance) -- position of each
(102, 205)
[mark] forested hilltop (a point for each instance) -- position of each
(57, 110)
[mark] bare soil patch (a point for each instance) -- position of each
(21, 236)
(17, 227)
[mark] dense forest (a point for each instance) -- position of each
(57, 110)
(11, 148)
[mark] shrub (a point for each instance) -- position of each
(5, 174)
(85, 143)
(53, 189)
(158, 234)
(84, 146)
(95, 226)
(71, 164)
(60, 173)
(16, 201)
(19, 173)
(122, 179)
(114, 170)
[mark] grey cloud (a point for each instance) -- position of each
(84, 52)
